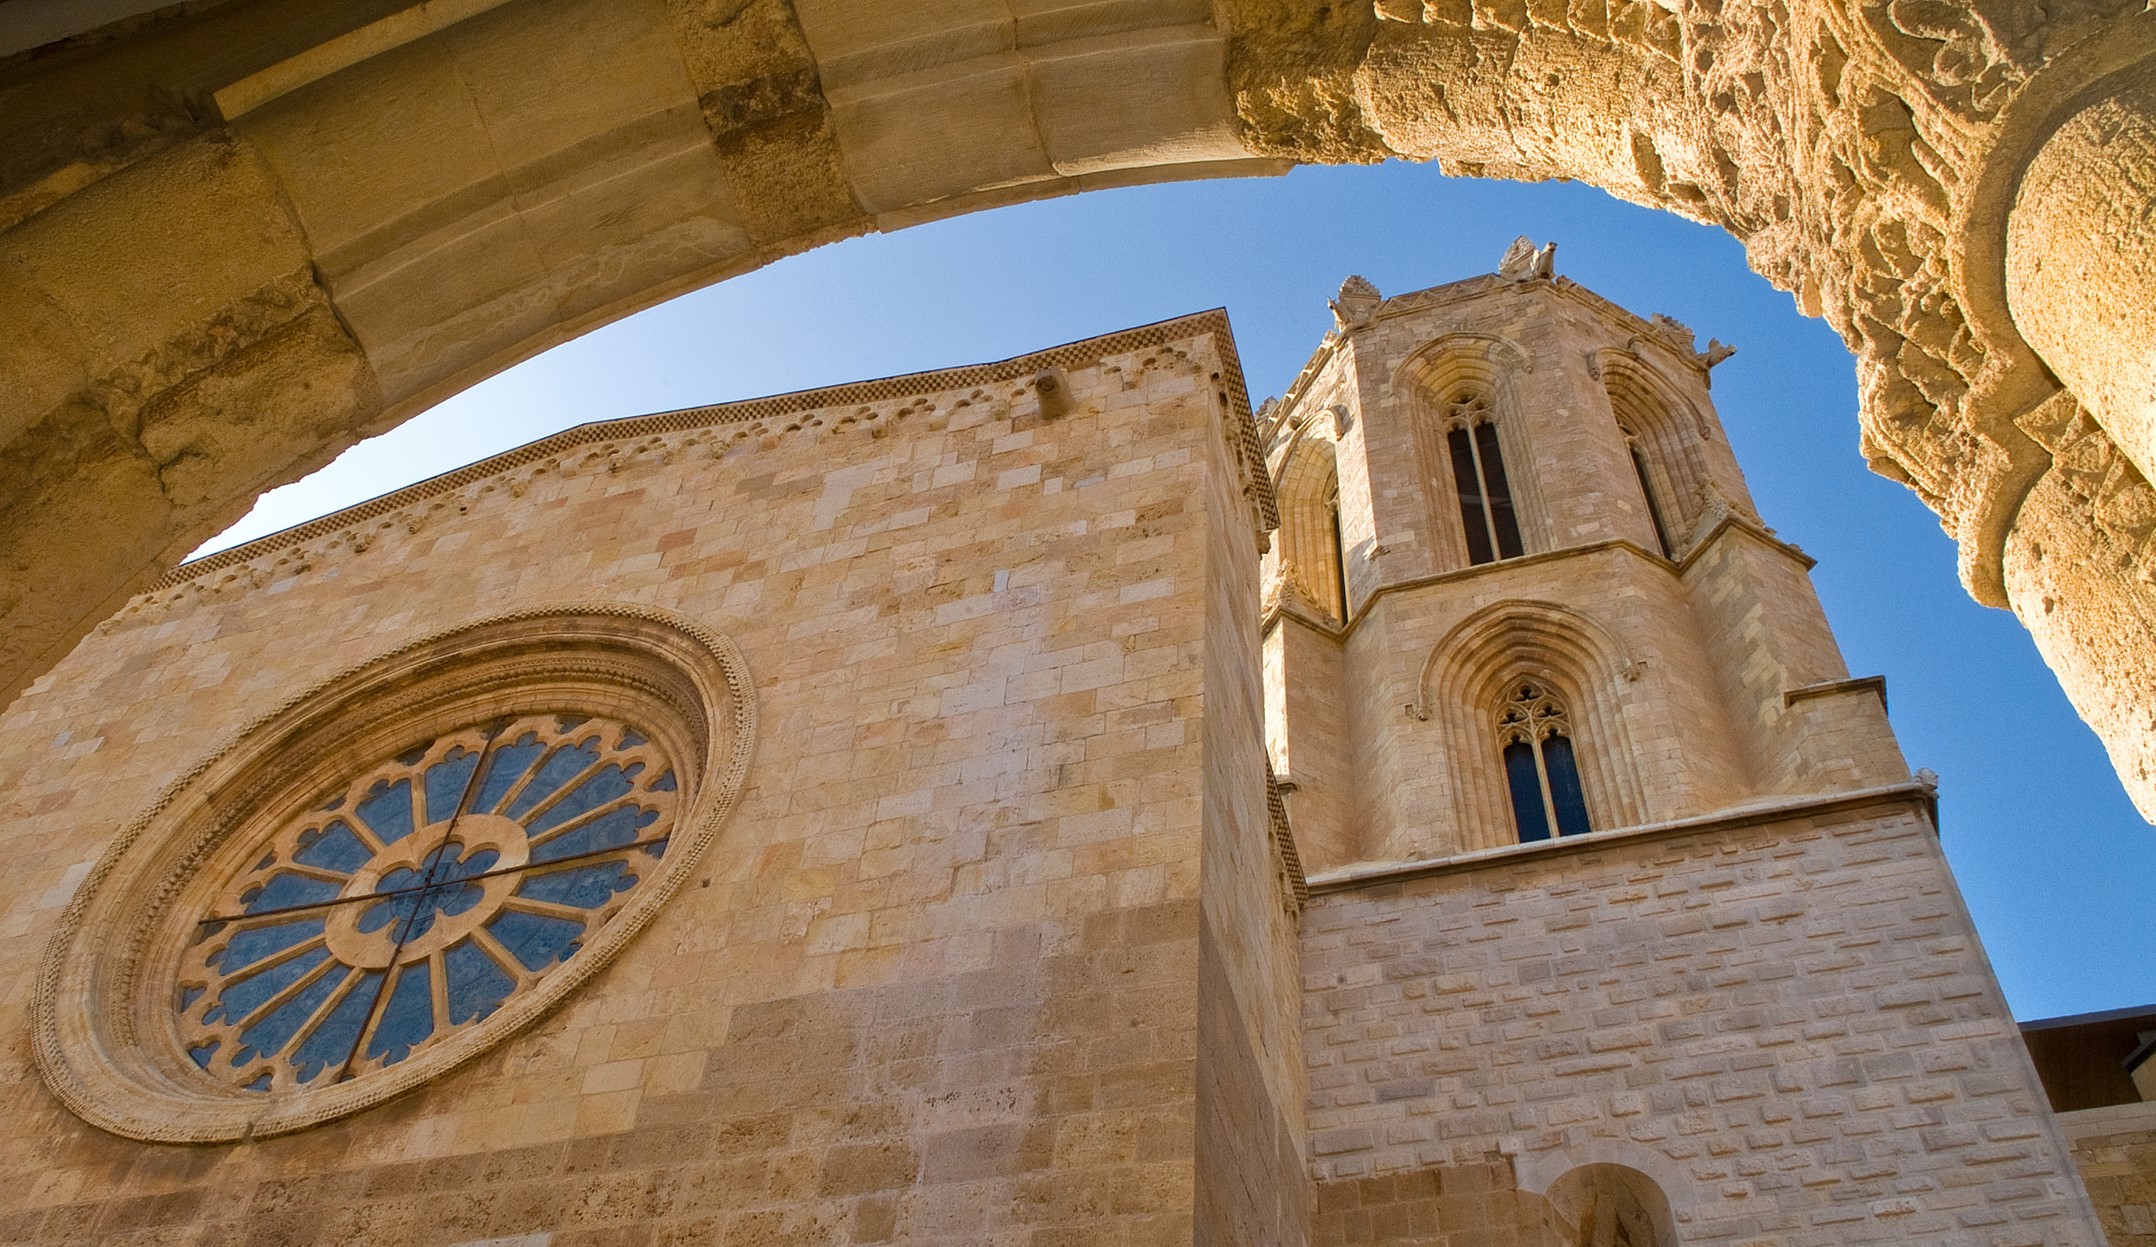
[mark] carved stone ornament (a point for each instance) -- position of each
(393, 872)
(1357, 301)
(1523, 261)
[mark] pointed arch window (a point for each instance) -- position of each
(1541, 769)
(1487, 514)
(1313, 558)
(1339, 604)
(1646, 490)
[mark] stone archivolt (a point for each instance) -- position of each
(235, 238)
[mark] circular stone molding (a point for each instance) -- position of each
(391, 873)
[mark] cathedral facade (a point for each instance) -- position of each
(1036, 803)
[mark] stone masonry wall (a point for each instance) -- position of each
(937, 981)
(1785, 1022)
(1250, 1141)
(2115, 1149)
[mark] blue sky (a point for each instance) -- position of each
(2055, 864)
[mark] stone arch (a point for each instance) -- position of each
(1441, 373)
(1311, 556)
(235, 238)
(1668, 431)
(1464, 681)
(1608, 1205)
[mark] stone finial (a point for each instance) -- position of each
(1356, 301)
(1523, 261)
(1673, 331)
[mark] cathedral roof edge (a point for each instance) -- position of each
(1212, 321)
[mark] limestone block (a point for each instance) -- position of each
(41, 354)
(1043, 22)
(155, 253)
(1152, 97)
(858, 41)
(939, 133)
(364, 154)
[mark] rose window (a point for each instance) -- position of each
(420, 897)
(392, 872)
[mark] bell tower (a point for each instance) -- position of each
(1521, 591)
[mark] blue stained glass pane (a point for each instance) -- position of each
(608, 831)
(277, 1027)
(407, 1019)
(387, 809)
(477, 986)
(446, 780)
(287, 891)
(204, 1052)
(535, 940)
(665, 783)
(1526, 785)
(565, 764)
(1565, 787)
(327, 1046)
(332, 847)
(251, 946)
(189, 995)
(590, 795)
(508, 762)
(238, 999)
(398, 908)
(629, 740)
(586, 887)
(261, 1083)
(411, 914)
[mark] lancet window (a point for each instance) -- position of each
(1487, 514)
(1312, 552)
(1646, 489)
(1542, 771)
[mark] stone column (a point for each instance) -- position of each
(2081, 258)
(2079, 569)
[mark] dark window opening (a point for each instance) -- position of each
(1654, 509)
(1487, 514)
(1332, 506)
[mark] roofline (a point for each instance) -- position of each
(1464, 290)
(2088, 1019)
(770, 407)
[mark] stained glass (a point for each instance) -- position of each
(421, 899)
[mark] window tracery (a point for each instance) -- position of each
(1541, 769)
(1488, 517)
(382, 878)
(421, 897)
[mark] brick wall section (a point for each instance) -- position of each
(1788, 1026)
(937, 980)
(2115, 1149)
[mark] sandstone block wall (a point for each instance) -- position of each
(2115, 1149)
(1785, 1022)
(938, 979)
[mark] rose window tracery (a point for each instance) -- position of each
(421, 897)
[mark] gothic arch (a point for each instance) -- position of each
(1669, 432)
(1312, 558)
(235, 238)
(1464, 679)
(1441, 373)
(1611, 1205)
